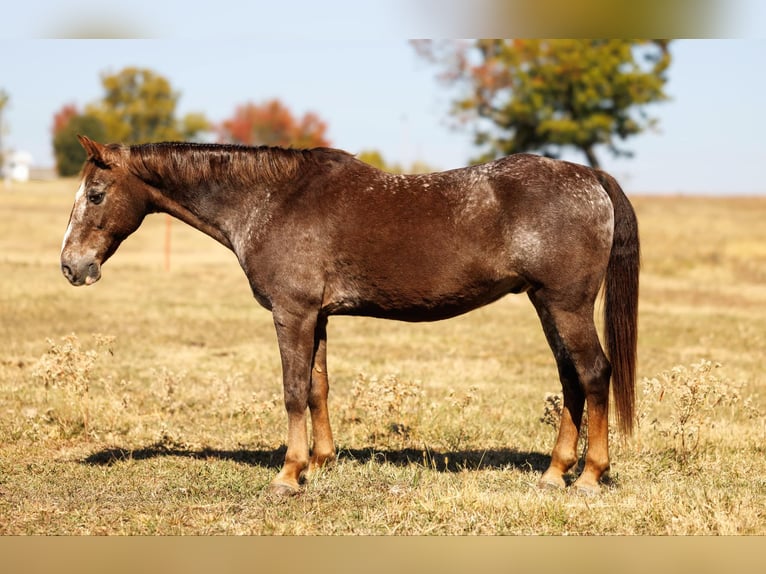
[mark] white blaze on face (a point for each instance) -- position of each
(77, 212)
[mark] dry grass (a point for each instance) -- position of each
(170, 421)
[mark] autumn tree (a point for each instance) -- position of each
(68, 122)
(61, 118)
(139, 106)
(272, 123)
(548, 95)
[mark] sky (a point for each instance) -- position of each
(375, 92)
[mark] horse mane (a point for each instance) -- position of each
(181, 163)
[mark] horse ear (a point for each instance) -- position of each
(96, 151)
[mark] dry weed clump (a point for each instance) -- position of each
(68, 367)
(263, 416)
(695, 395)
(553, 408)
(387, 408)
(166, 389)
(466, 427)
(391, 412)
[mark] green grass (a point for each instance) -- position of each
(180, 426)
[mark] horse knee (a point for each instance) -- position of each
(296, 402)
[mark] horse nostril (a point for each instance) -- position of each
(66, 270)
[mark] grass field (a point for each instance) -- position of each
(150, 403)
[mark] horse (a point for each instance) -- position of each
(319, 233)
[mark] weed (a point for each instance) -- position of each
(553, 406)
(264, 413)
(68, 367)
(168, 382)
(695, 395)
(387, 407)
(462, 431)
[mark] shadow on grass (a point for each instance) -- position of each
(273, 458)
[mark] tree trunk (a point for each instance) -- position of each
(591, 156)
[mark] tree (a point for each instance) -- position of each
(272, 123)
(546, 95)
(375, 159)
(67, 124)
(139, 106)
(4, 99)
(193, 124)
(61, 118)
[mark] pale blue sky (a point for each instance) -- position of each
(376, 93)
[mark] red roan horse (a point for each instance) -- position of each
(318, 232)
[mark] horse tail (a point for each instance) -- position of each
(621, 303)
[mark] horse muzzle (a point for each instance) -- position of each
(81, 273)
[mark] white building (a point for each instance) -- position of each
(17, 164)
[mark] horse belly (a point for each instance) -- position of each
(418, 293)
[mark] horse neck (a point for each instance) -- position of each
(183, 206)
(222, 202)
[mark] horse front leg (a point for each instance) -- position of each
(323, 450)
(296, 337)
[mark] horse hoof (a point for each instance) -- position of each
(283, 489)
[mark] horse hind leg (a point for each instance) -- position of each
(584, 372)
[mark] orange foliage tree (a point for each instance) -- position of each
(272, 123)
(61, 118)
(68, 122)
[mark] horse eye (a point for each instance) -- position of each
(96, 197)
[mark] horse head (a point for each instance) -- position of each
(109, 205)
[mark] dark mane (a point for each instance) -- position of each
(225, 164)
